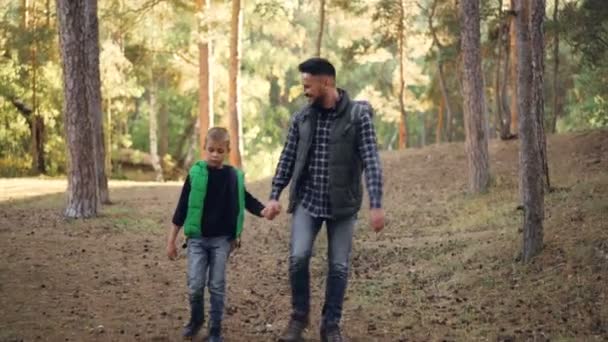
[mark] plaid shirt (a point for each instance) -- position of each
(315, 196)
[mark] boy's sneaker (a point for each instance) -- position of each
(215, 334)
(191, 330)
(294, 330)
(331, 334)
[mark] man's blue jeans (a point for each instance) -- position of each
(304, 230)
(207, 257)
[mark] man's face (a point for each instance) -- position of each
(216, 152)
(315, 88)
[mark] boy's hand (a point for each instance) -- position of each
(272, 209)
(268, 214)
(171, 250)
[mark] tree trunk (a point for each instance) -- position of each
(163, 131)
(321, 27)
(506, 110)
(514, 77)
(189, 158)
(93, 84)
(537, 41)
(82, 191)
(476, 138)
(205, 89)
(153, 131)
(36, 121)
(234, 110)
(403, 124)
(108, 138)
(556, 106)
(423, 131)
(531, 169)
(445, 100)
(503, 127)
(439, 129)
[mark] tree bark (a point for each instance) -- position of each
(556, 106)
(234, 110)
(514, 77)
(108, 138)
(476, 140)
(205, 89)
(502, 123)
(403, 123)
(82, 190)
(36, 121)
(439, 129)
(537, 39)
(163, 125)
(93, 84)
(506, 110)
(442, 84)
(153, 133)
(531, 169)
(321, 28)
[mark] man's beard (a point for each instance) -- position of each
(318, 102)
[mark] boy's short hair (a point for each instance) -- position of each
(218, 134)
(317, 66)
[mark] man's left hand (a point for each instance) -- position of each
(376, 218)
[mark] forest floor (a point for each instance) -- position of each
(444, 269)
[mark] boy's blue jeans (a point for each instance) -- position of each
(339, 240)
(207, 259)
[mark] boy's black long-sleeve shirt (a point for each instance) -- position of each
(220, 209)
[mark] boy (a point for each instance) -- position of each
(211, 209)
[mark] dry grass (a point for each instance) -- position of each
(443, 269)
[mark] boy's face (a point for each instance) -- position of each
(216, 152)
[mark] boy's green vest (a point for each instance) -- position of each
(199, 176)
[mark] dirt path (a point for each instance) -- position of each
(442, 270)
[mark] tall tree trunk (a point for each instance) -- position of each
(476, 140)
(93, 83)
(108, 138)
(514, 77)
(531, 169)
(423, 131)
(439, 129)
(401, 42)
(556, 106)
(321, 27)
(37, 125)
(153, 132)
(234, 110)
(163, 130)
(189, 158)
(82, 190)
(502, 124)
(537, 41)
(506, 110)
(445, 100)
(205, 80)
(185, 140)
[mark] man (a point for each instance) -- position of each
(330, 142)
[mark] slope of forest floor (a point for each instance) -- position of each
(444, 269)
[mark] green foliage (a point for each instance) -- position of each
(151, 47)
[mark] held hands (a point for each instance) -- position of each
(272, 209)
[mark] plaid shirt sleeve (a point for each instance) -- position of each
(371, 160)
(286, 162)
